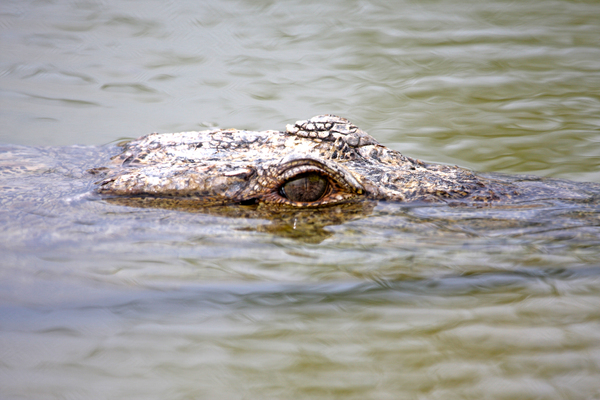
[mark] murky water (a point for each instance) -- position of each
(101, 300)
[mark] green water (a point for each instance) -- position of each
(104, 301)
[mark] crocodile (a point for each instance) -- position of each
(323, 161)
(296, 183)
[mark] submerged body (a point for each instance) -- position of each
(325, 160)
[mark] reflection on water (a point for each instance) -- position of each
(104, 300)
(300, 224)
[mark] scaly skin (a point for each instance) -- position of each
(246, 167)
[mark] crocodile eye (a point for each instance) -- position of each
(306, 182)
(305, 188)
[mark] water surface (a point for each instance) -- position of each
(101, 300)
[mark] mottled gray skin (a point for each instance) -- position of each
(247, 167)
(220, 167)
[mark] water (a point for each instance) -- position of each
(100, 300)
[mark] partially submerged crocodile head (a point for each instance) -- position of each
(325, 160)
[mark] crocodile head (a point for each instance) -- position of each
(323, 161)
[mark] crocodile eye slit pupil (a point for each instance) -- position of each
(305, 188)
